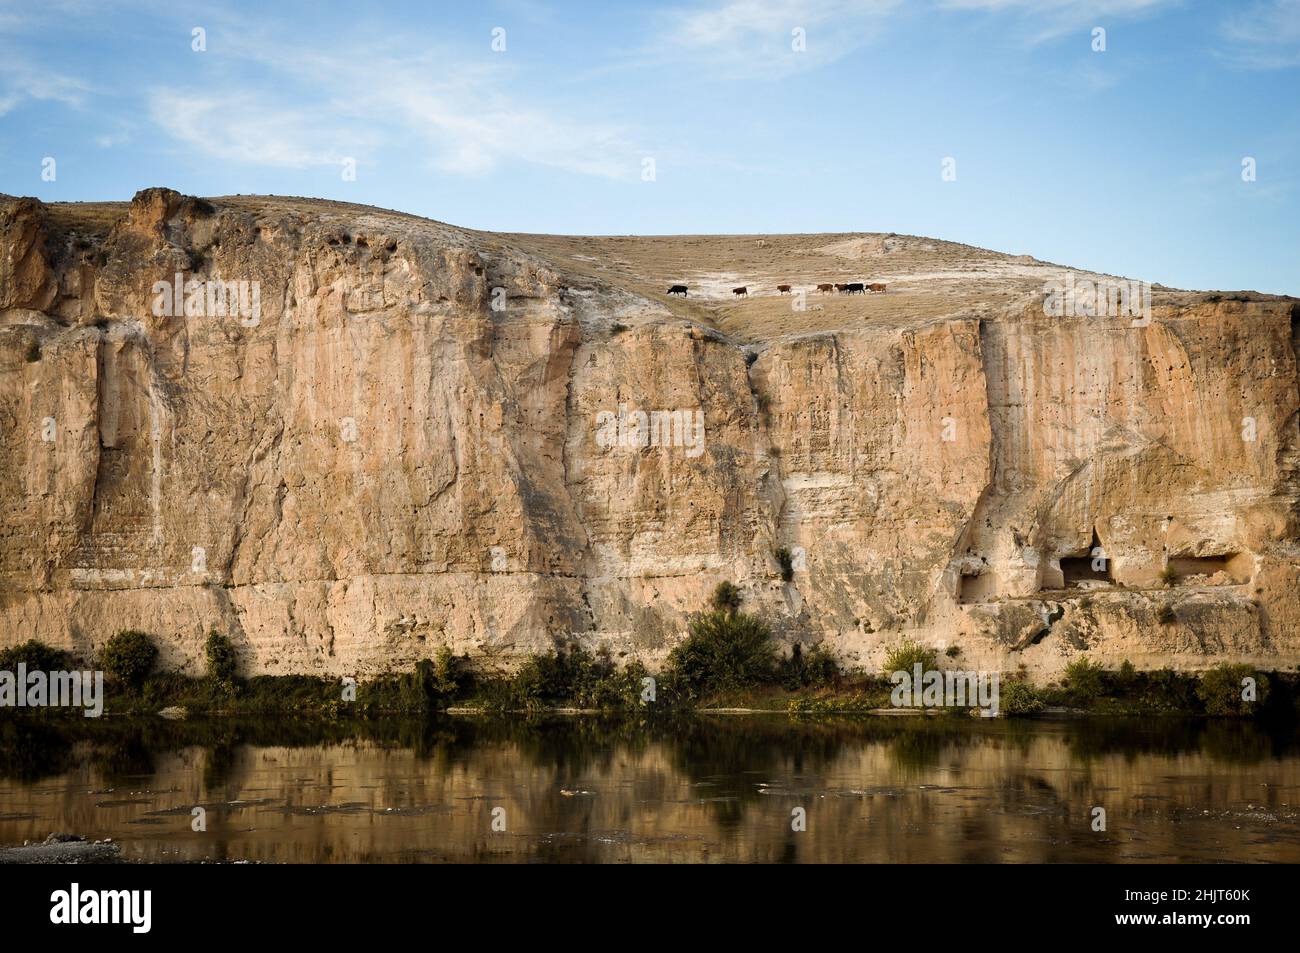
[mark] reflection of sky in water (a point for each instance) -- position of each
(881, 790)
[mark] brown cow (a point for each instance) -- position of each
(742, 290)
(876, 287)
(825, 289)
(841, 288)
(784, 289)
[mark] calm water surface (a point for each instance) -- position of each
(712, 789)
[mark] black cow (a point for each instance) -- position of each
(678, 290)
(856, 288)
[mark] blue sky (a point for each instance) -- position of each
(1127, 161)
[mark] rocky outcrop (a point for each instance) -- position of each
(347, 437)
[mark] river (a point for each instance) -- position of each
(722, 788)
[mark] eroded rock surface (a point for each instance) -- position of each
(408, 435)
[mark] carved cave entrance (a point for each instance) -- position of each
(1086, 567)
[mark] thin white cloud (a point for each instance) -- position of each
(240, 126)
(753, 38)
(759, 38)
(470, 125)
(22, 82)
(460, 115)
(1264, 35)
(1049, 19)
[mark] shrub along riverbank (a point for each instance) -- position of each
(728, 660)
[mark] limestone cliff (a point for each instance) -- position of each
(346, 437)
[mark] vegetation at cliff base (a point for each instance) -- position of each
(569, 678)
(905, 656)
(1084, 680)
(1232, 690)
(222, 663)
(1018, 699)
(729, 658)
(814, 668)
(37, 656)
(725, 648)
(128, 658)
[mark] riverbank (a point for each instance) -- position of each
(728, 663)
(62, 849)
(1161, 693)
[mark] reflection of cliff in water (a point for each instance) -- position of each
(586, 789)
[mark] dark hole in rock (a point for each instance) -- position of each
(1086, 567)
(976, 588)
(1235, 566)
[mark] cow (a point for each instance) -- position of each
(876, 286)
(825, 289)
(678, 290)
(856, 288)
(784, 289)
(841, 288)
(742, 290)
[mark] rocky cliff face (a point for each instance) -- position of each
(381, 434)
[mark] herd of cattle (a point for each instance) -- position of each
(851, 288)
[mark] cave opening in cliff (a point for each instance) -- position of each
(1091, 565)
(1235, 566)
(976, 587)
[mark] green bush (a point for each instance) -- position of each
(548, 679)
(905, 656)
(726, 598)
(417, 690)
(449, 673)
(570, 677)
(129, 657)
(37, 656)
(833, 705)
(222, 662)
(33, 351)
(290, 693)
(724, 650)
(1220, 690)
(411, 691)
(619, 688)
(1084, 679)
(1167, 690)
(1017, 699)
(558, 677)
(816, 667)
(786, 562)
